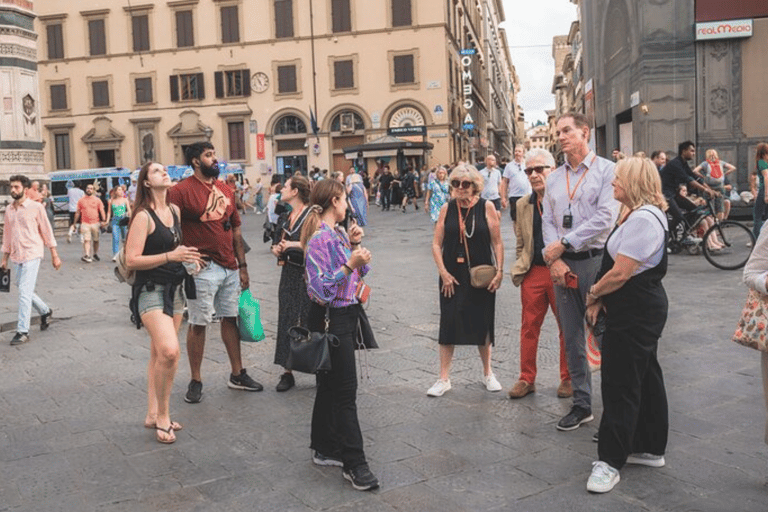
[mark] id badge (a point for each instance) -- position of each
(567, 221)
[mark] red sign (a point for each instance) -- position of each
(260, 152)
(714, 10)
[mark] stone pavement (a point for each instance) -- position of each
(72, 403)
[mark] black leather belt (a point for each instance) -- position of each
(583, 255)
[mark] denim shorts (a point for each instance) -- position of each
(149, 301)
(218, 291)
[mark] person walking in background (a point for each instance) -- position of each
(212, 225)
(578, 212)
(33, 192)
(358, 199)
(292, 299)
(713, 171)
(335, 264)
(514, 183)
(761, 193)
(118, 210)
(153, 249)
(530, 273)
(491, 182)
(385, 187)
(635, 424)
(659, 159)
(438, 192)
(258, 196)
(26, 231)
(467, 232)
(45, 193)
(90, 215)
(74, 194)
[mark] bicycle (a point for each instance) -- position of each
(735, 236)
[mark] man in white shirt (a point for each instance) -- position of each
(514, 183)
(74, 194)
(578, 212)
(491, 182)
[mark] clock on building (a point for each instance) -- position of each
(260, 82)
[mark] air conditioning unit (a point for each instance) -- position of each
(347, 122)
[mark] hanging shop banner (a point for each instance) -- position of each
(260, 152)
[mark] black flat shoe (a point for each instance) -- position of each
(286, 382)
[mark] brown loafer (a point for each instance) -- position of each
(520, 389)
(565, 390)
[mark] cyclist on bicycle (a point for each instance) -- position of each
(677, 172)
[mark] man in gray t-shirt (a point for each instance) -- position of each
(491, 182)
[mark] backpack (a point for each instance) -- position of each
(122, 273)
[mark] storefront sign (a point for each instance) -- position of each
(399, 131)
(260, 152)
(723, 29)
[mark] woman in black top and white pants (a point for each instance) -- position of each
(152, 249)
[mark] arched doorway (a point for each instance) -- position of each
(347, 129)
(290, 139)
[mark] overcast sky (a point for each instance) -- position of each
(530, 26)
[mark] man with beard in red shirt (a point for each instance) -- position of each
(210, 222)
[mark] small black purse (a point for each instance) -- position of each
(310, 352)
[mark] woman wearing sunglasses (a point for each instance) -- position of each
(467, 232)
(153, 250)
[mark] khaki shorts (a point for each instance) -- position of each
(90, 231)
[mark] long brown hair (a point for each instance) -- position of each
(321, 199)
(143, 193)
(761, 153)
(301, 184)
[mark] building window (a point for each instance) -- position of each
(403, 67)
(347, 121)
(283, 18)
(140, 27)
(63, 150)
(343, 74)
(341, 16)
(187, 87)
(401, 13)
(184, 31)
(234, 83)
(55, 36)
(97, 37)
(286, 79)
(230, 27)
(100, 90)
(59, 97)
(236, 134)
(143, 87)
(290, 125)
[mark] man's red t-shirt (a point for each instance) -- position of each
(91, 209)
(205, 209)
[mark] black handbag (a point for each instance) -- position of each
(365, 338)
(310, 352)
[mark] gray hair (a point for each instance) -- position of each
(540, 153)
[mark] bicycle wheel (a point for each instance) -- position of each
(738, 240)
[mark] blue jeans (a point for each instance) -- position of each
(259, 201)
(118, 233)
(26, 278)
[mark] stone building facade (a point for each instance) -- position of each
(127, 81)
(21, 147)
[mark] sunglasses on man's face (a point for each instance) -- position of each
(461, 184)
(539, 169)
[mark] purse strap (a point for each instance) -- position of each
(464, 237)
(327, 318)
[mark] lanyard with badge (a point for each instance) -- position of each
(568, 217)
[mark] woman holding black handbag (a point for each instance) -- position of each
(335, 265)
(293, 301)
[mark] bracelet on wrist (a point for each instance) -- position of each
(243, 265)
(348, 268)
(166, 258)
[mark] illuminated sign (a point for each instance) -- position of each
(723, 29)
(466, 78)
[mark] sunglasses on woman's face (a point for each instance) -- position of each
(461, 184)
(539, 169)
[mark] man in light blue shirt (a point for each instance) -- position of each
(514, 182)
(491, 182)
(578, 214)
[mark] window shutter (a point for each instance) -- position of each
(246, 82)
(55, 42)
(341, 16)
(218, 82)
(200, 87)
(403, 65)
(283, 18)
(174, 87)
(401, 13)
(343, 74)
(97, 38)
(230, 29)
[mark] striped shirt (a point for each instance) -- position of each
(327, 251)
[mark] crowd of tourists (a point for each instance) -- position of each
(591, 246)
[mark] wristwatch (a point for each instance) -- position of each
(566, 243)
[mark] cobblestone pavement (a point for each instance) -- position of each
(72, 403)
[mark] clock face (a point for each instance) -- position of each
(260, 82)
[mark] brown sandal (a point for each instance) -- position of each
(176, 426)
(168, 431)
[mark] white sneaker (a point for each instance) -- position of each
(646, 459)
(491, 384)
(603, 477)
(114, 258)
(439, 388)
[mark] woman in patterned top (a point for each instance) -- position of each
(438, 193)
(335, 263)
